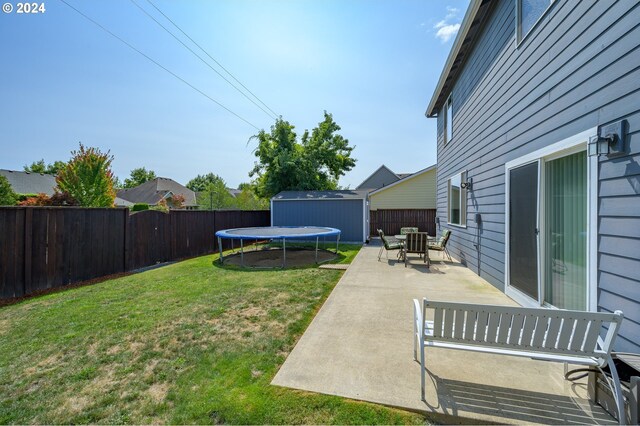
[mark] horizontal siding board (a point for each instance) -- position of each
(619, 226)
(620, 285)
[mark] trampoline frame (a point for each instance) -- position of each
(224, 233)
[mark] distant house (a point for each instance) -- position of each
(412, 191)
(30, 183)
(383, 176)
(542, 199)
(154, 191)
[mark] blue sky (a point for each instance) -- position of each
(373, 64)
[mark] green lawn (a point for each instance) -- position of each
(190, 342)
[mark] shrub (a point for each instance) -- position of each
(38, 200)
(57, 199)
(22, 197)
(7, 196)
(138, 207)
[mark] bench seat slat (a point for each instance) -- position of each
(581, 360)
(470, 325)
(516, 328)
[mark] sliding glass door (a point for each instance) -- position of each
(547, 226)
(565, 251)
(523, 225)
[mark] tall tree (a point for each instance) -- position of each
(7, 196)
(42, 167)
(88, 178)
(138, 177)
(201, 182)
(215, 195)
(314, 163)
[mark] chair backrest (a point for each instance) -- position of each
(408, 229)
(416, 242)
(554, 331)
(444, 238)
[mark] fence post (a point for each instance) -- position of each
(28, 249)
(126, 263)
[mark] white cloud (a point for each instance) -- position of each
(445, 32)
(446, 29)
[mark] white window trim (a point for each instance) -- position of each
(562, 148)
(519, 38)
(464, 224)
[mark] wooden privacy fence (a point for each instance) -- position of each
(43, 248)
(391, 220)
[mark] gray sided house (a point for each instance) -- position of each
(540, 205)
(383, 176)
(346, 210)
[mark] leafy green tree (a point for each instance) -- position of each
(201, 182)
(138, 177)
(215, 196)
(7, 196)
(42, 167)
(314, 163)
(88, 178)
(248, 200)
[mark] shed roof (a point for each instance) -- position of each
(470, 30)
(321, 195)
(30, 183)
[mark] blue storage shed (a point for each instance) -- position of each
(346, 210)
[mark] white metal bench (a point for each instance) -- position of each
(545, 334)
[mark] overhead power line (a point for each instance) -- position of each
(159, 65)
(203, 60)
(211, 57)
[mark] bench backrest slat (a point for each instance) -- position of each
(551, 338)
(532, 329)
(591, 340)
(577, 342)
(492, 329)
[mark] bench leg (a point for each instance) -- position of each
(380, 253)
(422, 373)
(617, 392)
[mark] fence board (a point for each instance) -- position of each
(391, 220)
(44, 248)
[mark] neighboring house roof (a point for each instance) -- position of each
(468, 34)
(411, 176)
(30, 183)
(234, 192)
(321, 195)
(404, 175)
(151, 192)
(381, 177)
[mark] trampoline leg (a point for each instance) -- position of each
(241, 253)
(220, 247)
(337, 243)
(317, 239)
(284, 253)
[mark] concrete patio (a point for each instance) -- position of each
(360, 346)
